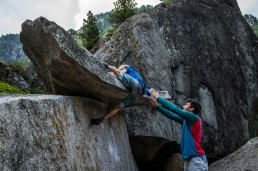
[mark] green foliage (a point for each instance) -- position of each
(8, 44)
(103, 23)
(7, 88)
(143, 8)
(36, 91)
(72, 32)
(90, 31)
(255, 28)
(20, 67)
(123, 10)
(253, 22)
(79, 41)
(105, 27)
(111, 30)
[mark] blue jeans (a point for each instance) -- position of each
(196, 164)
(133, 86)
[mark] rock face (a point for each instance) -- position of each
(49, 132)
(197, 49)
(66, 68)
(6, 75)
(244, 158)
(193, 49)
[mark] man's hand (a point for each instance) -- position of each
(154, 93)
(153, 102)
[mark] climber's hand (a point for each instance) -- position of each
(153, 102)
(154, 93)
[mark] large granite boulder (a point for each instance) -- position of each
(50, 132)
(194, 49)
(245, 158)
(66, 68)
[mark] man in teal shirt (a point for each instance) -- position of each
(192, 153)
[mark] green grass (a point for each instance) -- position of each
(7, 88)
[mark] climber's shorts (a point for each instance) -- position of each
(196, 163)
(133, 86)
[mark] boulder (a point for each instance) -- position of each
(19, 81)
(51, 132)
(245, 158)
(66, 68)
(7, 76)
(4, 71)
(197, 49)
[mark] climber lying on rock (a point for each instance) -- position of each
(132, 80)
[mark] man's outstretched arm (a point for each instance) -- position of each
(166, 112)
(169, 114)
(188, 116)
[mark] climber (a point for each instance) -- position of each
(192, 154)
(131, 79)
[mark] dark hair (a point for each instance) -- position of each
(196, 105)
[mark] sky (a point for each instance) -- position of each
(70, 13)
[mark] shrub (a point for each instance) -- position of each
(20, 68)
(111, 30)
(36, 91)
(7, 88)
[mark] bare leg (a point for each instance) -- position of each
(112, 112)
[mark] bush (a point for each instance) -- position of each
(20, 68)
(7, 88)
(111, 30)
(36, 91)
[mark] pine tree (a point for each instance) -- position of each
(123, 10)
(90, 31)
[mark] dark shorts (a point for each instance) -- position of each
(133, 85)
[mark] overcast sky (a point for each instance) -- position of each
(69, 13)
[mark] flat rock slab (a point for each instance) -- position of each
(53, 132)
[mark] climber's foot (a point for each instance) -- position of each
(97, 121)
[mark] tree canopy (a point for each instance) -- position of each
(90, 32)
(123, 10)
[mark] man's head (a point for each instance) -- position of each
(192, 106)
(122, 68)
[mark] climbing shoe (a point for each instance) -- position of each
(105, 65)
(97, 121)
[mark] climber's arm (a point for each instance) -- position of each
(188, 116)
(166, 112)
(169, 114)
